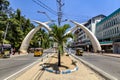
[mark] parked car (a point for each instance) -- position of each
(5, 50)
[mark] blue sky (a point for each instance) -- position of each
(78, 10)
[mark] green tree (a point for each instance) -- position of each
(4, 4)
(41, 36)
(14, 35)
(58, 34)
(19, 26)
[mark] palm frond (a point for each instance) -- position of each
(70, 35)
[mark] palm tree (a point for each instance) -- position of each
(58, 34)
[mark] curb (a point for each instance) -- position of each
(99, 71)
(107, 54)
(18, 55)
(61, 72)
(112, 56)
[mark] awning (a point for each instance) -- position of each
(106, 43)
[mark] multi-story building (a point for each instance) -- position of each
(108, 32)
(82, 39)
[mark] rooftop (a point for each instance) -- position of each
(108, 17)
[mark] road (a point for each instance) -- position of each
(11, 65)
(110, 65)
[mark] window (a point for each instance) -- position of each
(112, 31)
(108, 32)
(117, 30)
(115, 20)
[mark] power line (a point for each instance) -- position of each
(59, 13)
(79, 18)
(45, 7)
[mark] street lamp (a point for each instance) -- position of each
(45, 14)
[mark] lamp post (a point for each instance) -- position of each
(42, 12)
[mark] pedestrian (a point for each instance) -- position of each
(69, 51)
(13, 51)
(103, 51)
(19, 52)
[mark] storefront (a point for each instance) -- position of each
(116, 45)
(107, 46)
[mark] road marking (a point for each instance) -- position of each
(25, 67)
(101, 72)
(21, 70)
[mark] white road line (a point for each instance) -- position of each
(21, 70)
(24, 68)
(100, 71)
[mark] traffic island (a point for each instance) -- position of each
(38, 73)
(67, 65)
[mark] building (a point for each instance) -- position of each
(108, 32)
(82, 40)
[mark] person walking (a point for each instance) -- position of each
(14, 51)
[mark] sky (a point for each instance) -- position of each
(78, 10)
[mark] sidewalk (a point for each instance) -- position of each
(16, 54)
(112, 55)
(106, 54)
(37, 73)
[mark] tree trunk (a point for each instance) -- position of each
(59, 58)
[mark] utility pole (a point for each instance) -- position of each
(60, 5)
(4, 36)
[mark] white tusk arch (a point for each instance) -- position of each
(26, 41)
(73, 29)
(93, 39)
(43, 24)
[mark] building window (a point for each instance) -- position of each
(112, 23)
(115, 20)
(114, 30)
(111, 31)
(108, 32)
(117, 30)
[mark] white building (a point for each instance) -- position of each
(82, 39)
(108, 32)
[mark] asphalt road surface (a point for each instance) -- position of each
(110, 65)
(11, 65)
